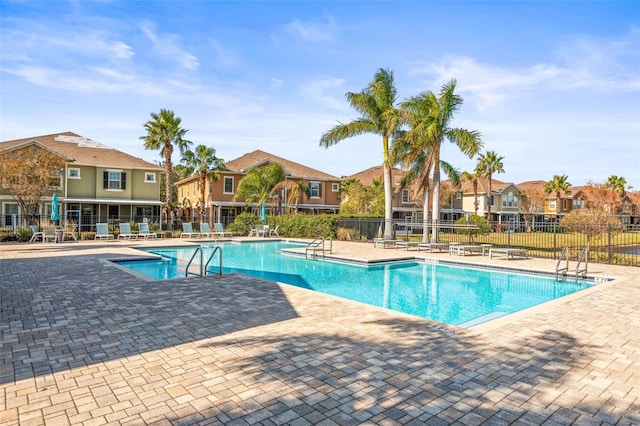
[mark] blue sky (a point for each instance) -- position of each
(554, 87)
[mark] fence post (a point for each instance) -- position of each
(609, 243)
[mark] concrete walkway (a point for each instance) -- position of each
(83, 342)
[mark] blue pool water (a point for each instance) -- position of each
(446, 293)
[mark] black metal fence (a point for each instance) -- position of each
(614, 245)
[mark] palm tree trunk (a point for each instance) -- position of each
(489, 201)
(168, 150)
(436, 201)
(425, 212)
(203, 182)
(388, 189)
(475, 196)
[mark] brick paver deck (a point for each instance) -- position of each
(84, 342)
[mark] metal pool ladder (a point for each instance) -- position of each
(203, 265)
(318, 245)
(565, 270)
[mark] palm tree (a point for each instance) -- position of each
(618, 184)
(473, 178)
(376, 104)
(559, 184)
(257, 185)
(294, 190)
(163, 132)
(438, 115)
(207, 166)
(488, 164)
(414, 149)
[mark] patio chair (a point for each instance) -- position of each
(143, 229)
(187, 231)
(220, 230)
(125, 232)
(36, 234)
(274, 232)
(262, 230)
(49, 234)
(205, 231)
(253, 232)
(102, 231)
(69, 231)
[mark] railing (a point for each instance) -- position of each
(563, 255)
(318, 245)
(204, 266)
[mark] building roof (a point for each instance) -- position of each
(79, 150)
(257, 158)
(483, 186)
(367, 176)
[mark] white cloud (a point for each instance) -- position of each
(312, 32)
(168, 47)
(324, 91)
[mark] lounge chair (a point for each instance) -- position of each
(36, 234)
(252, 232)
(125, 232)
(274, 232)
(143, 229)
(464, 249)
(220, 230)
(430, 247)
(205, 231)
(187, 231)
(406, 244)
(102, 231)
(508, 252)
(262, 230)
(384, 243)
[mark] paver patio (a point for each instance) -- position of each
(83, 342)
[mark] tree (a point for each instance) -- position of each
(619, 185)
(488, 164)
(376, 104)
(207, 166)
(362, 199)
(30, 173)
(294, 190)
(531, 203)
(257, 185)
(163, 132)
(558, 185)
(473, 178)
(591, 222)
(600, 196)
(438, 116)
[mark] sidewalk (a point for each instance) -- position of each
(86, 343)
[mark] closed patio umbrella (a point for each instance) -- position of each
(55, 214)
(263, 212)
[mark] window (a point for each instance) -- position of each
(565, 204)
(335, 187)
(552, 204)
(114, 180)
(405, 196)
(491, 201)
(74, 173)
(228, 185)
(504, 201)
(458, 195)
(315, 189)
(150, 177)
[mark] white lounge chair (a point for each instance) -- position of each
(69, 231)
(274, 232)
(36, 234)
(125, 232)
(49, 234)
(143, 229)
(220, 230)
(205, 231)
(102, 231)
(187, 231)
(508, 252)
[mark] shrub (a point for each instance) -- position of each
(478, 226)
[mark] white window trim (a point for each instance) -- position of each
(147, 174)
(316, 197)
(224, 184)
(335, 187)
(69, 173)
(109, 180)
(402, 198)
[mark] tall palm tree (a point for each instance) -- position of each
(414, 149)
(207, 166)
(437, 120)
(376, 104)
(558, 185)
(488, 164)
(473, 178)
(163, 133)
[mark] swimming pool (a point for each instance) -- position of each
(447, 293)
